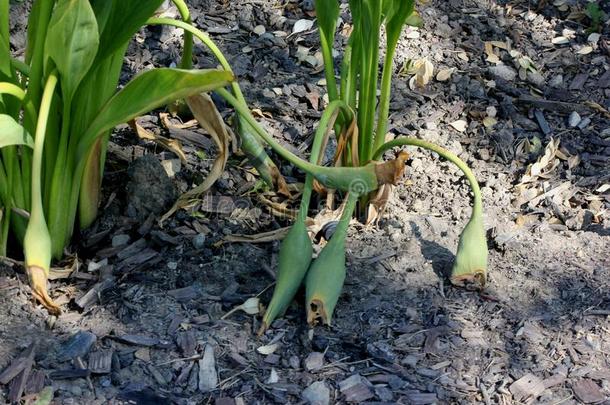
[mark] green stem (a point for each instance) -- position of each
(474, 185)
(18, 92)
(187, 50)
(207, 41)
(340, 178)
(37, 242)
(329, 68)
(384, 102)
(329, 115)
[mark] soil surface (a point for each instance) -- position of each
(523, 97)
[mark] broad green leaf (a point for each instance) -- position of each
(11, 133)
(395, 15)
(327, 12)
(124, 19)
(72, 42)
(148, 91)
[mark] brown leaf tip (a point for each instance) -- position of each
(391, 172)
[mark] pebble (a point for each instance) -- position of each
(574, 119)
(314, 361)
(584, 123)
(120, 240)
(317, 394)
(535, 78)
(556, 81)
(199, 241)
(504, 72)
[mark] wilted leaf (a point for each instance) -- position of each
(173, 145)
(302, 25)
(424, 71)
(444, 74)
(268, 349)
(459, 125)
(204, 110)
(491, 56)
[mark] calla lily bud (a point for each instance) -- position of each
(470, 267)
(327, 273)
(295, 256)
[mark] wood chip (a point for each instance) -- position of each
(139, 340)
(527, 387)
(185, 294)
(100, 362)
(77, 346)
(421, 398)
(208, 378)
(588, 391)
(18, 365)
(314, 361)
(355, 389)
(93, 295)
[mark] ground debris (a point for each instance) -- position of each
(208, 378)
(527, 388)
(77, 346)
(587, 391)
(317, 393)
(100, 361)
(356, 389)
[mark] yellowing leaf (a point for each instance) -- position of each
(424, 71)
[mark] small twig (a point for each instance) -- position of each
(193, 357)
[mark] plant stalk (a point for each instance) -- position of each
(37, 241)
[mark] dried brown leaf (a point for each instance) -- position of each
(204, 110)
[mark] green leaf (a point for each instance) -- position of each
(72, 42)
(12, 133)
(5, 52)
(327, 12)
(395, 15)
(415, 20)
(5, 58)
(121, 22)
(150, 90)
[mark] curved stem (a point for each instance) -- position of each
(286, 154)
(37, 242)
(18, 92)
(474, 185)
(187, 51)
(207, 41)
